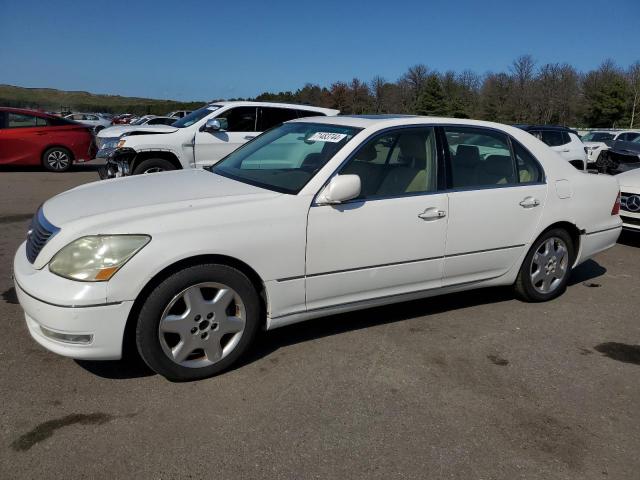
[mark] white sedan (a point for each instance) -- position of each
(314, 217)
(630, 199)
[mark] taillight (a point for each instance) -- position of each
(616, 206)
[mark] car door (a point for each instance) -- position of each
(388, 241)
(496, 197)
(23, 139)
(238, 127)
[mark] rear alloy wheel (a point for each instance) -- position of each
(546, 268)
(57, 159)
(153, 165)
(198, 322)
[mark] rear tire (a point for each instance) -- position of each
(153, 165)
(546, 269)
(198, 322)
(57, 159)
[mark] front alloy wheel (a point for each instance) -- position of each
(198, 321)
(202, 324)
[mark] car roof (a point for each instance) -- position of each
(385, 121)
(557, 128)
(239, 103)
(25, 111)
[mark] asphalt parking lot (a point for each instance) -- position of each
(471, 386)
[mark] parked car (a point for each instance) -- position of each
(630, 199)
(314, 217)
(93, 120)
(597, 142)
(201, 138)
(34, 138)
(179, 113)
(620, 156)
(122, 119)
(107, 139)
(563, 140)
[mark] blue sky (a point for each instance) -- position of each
(199, 50)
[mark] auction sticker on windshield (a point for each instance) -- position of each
(327, 137)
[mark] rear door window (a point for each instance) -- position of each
(270, 117)
(20, 120)
(553, 138)
(479, 158)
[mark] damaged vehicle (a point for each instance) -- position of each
(621, 156)
(598, 141)
(199, 139)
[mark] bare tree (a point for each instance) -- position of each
(633, 77)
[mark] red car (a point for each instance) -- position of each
(29, 137)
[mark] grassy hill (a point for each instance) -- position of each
(51, 99)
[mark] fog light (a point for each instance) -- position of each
(83, 339)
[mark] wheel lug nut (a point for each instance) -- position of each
(194, 330)
(204, 336)
(209, 316)
(197, 318)
(214, 326)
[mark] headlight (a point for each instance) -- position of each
(96, 258)
(121, 143)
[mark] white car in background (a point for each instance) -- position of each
(107, 139)
(562, 140)
(202, 138)
(630, 199)
(596, 142)
(314, 217)
(98, 122)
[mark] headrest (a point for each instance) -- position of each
(467, 155)
(412, 146)
(368, 153)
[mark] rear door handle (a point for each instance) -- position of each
(432, 214)
(529, 202)
(249, 137)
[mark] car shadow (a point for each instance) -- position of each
(631, 239)
(585, 272)
(270, 341)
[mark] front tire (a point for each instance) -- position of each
(153, 165)
(546, 269)
(198, 322)
(57, 159)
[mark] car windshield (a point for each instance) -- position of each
(596, 137)
(195, 116)
(285, 158)
(140, 121)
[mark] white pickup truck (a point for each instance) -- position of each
(200, 139)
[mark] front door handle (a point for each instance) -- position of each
(249, 137)
(529, 202)
(432, 214)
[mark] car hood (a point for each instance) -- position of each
(118, 130)
(147, 195)
(630, 178)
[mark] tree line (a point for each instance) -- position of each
(552, 93)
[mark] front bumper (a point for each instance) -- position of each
(88, 333)
(118, 164)
(67, 317)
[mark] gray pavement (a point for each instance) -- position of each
(475, 385)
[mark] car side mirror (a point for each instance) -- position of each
(212, 125)
(340, 189)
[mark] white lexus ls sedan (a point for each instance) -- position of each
(314, 217)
